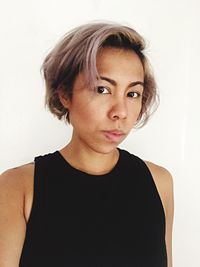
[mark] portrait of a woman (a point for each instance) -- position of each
(91, 203)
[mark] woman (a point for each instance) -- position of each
(91, 203)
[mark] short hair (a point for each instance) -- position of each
(77, 51)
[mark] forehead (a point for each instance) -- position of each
(123, 66)
(121, 61)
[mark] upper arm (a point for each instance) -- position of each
(169, 203)
(12, 221)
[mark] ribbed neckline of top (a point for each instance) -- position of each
(94, 176)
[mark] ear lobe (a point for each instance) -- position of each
(63, 98)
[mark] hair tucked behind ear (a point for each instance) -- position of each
(77, 51)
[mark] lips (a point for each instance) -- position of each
(114, 135)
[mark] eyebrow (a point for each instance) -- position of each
(114, 82)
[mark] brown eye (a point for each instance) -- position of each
(102, 90)
(134, 94)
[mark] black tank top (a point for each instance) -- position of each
(79, 219)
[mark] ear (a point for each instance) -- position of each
(64, 99)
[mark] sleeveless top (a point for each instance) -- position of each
(79, 219)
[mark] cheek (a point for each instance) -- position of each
(138, 115)
(135, 109)
(85, 114)
(139, 108)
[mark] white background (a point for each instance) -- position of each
(29, 29)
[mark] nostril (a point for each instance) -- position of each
(118, 115)
(115, 117)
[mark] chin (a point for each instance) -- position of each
(104, 149)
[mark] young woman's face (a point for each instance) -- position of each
(103, 117)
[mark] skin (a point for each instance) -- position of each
(113, 104)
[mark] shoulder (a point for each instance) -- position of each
(13, 186)
(18, 175)
(160, 173)
(164, 183)
(16, 184)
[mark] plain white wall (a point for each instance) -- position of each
(29, 29)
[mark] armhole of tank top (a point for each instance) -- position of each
(35, 195)
(155, 189)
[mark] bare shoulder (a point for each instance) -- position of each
(16, 185)
(160, 173)
(17, 176)
(164, 183)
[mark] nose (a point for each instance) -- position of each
(118, 110)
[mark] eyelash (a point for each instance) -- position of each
(103, 87)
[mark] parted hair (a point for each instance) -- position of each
(77, 51)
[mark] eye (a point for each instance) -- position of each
(134, 94)
(102, 90)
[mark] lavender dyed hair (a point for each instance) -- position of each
(77, 51)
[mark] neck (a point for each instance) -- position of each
(89, 160)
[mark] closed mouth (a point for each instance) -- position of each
(114, 136)
(115, 132)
